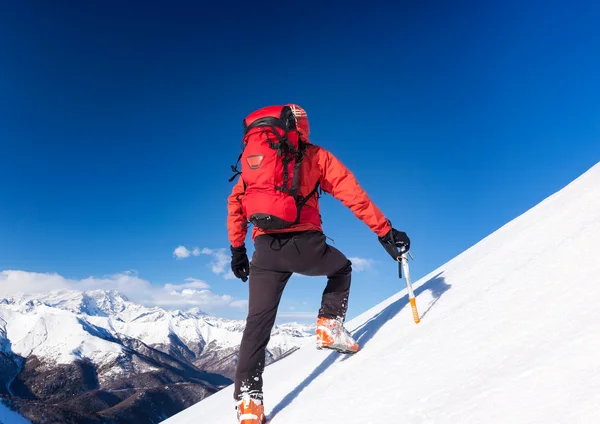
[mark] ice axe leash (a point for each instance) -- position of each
(403, 265)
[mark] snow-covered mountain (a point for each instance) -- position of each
(509, 333)
(62, 326)
(62, 344)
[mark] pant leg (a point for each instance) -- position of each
(265, 289)
(309, 254)
(275, 258)
(334, 302)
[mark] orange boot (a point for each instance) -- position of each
(331, 334)
(250, 411)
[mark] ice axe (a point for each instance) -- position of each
(403, 263)
(400, 256)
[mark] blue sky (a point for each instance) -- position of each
(118, 124)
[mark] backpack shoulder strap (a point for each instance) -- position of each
(234, 168)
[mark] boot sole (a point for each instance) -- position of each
(338, 349)
(264, 421)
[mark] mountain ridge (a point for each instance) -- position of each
(58, 346)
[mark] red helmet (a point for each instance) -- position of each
(301, 121)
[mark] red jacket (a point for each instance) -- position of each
(321, 166)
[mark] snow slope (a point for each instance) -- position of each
(509, 333)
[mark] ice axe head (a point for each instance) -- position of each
(390, 246)
(394, 251)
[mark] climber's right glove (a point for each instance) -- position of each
(395, 240)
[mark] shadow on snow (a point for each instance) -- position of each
(436, 285)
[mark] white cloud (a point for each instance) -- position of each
(12, 281)
(184, 295)
(197, 283)
(229, 275)
(360, 264)
(220, 260)
(182, 252)
(192, 297)
(15, 281)
(192, 283)
(192, 293)
(240, 304)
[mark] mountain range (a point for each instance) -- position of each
(96, 357)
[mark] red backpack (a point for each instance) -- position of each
(271, 157)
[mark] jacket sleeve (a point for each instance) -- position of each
(338, 181)
(236, 221)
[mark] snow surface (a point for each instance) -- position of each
(8, 416)
(509, 333)
(56, 334)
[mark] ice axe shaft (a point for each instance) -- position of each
(403, 265)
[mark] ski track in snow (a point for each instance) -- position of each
(509, 333)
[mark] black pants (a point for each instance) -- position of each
(275, 258)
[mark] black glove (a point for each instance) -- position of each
(395, 240)
(239, 263)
